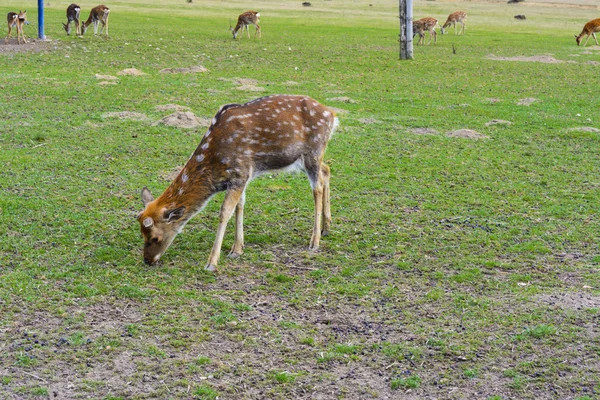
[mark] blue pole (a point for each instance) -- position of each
(41, 20)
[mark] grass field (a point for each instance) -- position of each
(461, 264)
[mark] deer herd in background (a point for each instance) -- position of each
(99, 14)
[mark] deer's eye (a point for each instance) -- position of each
(155, 240)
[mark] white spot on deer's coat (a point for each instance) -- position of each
(214, 121)
(326, 113)
(184, 178)
(180, 191)
(200, 157)
(204, 146)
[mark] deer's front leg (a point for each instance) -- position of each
(232, 198)
(238, 244)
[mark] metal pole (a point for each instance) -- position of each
(406, 30)
(41, 34)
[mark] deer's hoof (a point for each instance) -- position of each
(211, 268)
(235, 254)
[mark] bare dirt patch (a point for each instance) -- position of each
(570, 300)
(546, 59)
(136, 116)
(185, 119)
(498, 122)
(423, 131)
(32, 45)
(171, 107)
(526, 101)
(250, 88)
(466, 134)
(190, 70)
(494, 100)
(131, 72)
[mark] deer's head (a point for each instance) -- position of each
(578, 39)
(159, 226)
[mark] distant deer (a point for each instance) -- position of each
(98, 14)
(589, 29)
(280, 132)
(422, 25)
(458, 17)
(16, 19)
(72, 16)
(245, 19)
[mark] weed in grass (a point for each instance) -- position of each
(471, 373)
(537, 332)
(411, 382)
(282, 376)
(26, 360)
(205, 392)
(5, 380)
(39, 391)
(309, 341)
(154, 351)
(202, 360)
(518, 383)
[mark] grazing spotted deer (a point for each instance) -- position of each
(72, 16)
(98, 14)
(458, 17)
(280, 132)
(16, 20)
(589, 29)
(422, 25)
(244, 20)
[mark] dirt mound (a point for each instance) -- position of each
(526, 101)
(343, 99)
(547, 59)
(250, 88)
(185, 119)
(498, 122)
(171, 107)
(245, 81)
(423, 131)
(106, 77)
(191, 70)
(368, 121)
(585, 129)
(136, 116)
(466, 134)
(131, 72)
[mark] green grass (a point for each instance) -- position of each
(450, 261)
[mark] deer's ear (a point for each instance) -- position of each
(174, 215)
(146, 196)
